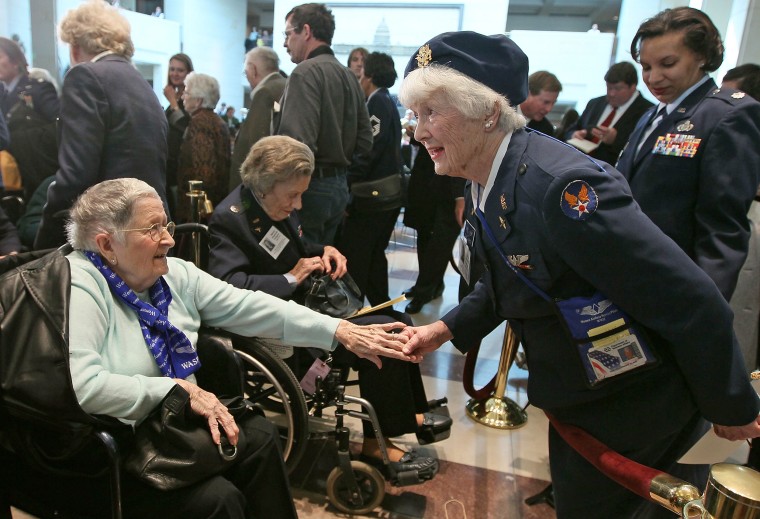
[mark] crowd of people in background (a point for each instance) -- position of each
(342, 124)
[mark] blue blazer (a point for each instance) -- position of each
(702, 202)
(618, 251)
(237, 226)
(112, 126)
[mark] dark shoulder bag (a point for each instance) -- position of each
(173, 446)
(378, 195)
(334, 297)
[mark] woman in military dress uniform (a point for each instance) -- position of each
(566, 247)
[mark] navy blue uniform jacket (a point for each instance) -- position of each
(112, 126)
(621, 253)
(236, 255)
(702, 202)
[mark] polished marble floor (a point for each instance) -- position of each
(485, 473)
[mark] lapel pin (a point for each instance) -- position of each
(502, 223)
(738, 95)
(503, 200)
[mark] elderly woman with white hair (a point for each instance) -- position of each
(570, 256)
(111, 125)
(205, 151)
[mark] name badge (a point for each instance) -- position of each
(676, 145)
(274, 242)
(608, 341)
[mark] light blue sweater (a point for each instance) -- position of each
(112, 369)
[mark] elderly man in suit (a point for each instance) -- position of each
(609, 120)
(112, 125)
(262, 69)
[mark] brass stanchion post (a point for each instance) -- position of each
(197, 198)
(499, 411)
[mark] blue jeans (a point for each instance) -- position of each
(324, 205)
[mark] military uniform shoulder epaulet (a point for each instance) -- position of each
(729, 95)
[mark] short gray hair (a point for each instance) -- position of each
(266, 57)
(203, 86)
(275, 159)
(470, 98)
(104, 208)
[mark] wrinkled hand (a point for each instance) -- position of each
(306, 266)
(330, 256)
(579, 134)
(208, 406)
(425, 339)
(739, 432)
(371, 341)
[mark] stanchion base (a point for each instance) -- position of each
(499, 413)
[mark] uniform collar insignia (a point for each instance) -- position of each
(520, 261)
(738, 95)
(503, 200)
(424, 56)
(502, 222)
(685, 126)
(257, 229)
(236, 209)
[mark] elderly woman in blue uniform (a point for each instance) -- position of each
(570, 256)
(693, 168)
(256, 243)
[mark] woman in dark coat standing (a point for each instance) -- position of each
(367, 230)
(180, 65)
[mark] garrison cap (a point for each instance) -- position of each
(496, 61)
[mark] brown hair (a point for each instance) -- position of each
(15, 54)
(699, 34)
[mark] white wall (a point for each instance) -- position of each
(410, 24)
(578, 59)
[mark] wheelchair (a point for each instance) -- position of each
(353, 486)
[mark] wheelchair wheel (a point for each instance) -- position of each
(271, 384)
(371, 488)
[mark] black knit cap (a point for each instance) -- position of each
(496, 61)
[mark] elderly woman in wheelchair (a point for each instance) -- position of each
(123, 364)
(256, 244)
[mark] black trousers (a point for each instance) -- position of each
(363, 241)
(256, 487)
(434, 246)
(395, 391)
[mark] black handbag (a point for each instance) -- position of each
(378, 195)
(334, 297)
(173, 446)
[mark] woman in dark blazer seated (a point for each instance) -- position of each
(256, 244)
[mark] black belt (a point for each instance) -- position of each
(328, 171)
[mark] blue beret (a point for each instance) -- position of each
(496, 61)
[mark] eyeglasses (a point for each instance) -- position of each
(288, 32)
(156, 231)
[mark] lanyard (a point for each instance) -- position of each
(514, 269)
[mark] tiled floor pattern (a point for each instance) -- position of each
(485, 473)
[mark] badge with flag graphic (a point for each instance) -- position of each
(579, 200)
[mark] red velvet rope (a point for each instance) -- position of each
(468, 374)
(624, 471)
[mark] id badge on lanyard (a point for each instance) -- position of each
(609, 342)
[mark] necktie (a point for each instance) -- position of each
(661, 113)
(606, 123)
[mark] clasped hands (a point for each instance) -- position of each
(605, 134)
(331, 262)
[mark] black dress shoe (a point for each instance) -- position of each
(434, 428)
(438, 292)
(424, 466)
(415, 305)
(409, 292)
